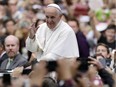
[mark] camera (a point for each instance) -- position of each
(83, 67)
(51, 66)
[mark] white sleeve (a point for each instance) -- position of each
(31, 45)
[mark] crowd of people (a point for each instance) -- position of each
(57, 43)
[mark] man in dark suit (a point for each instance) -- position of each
(81, 39)
(15, 59)
(3, 54)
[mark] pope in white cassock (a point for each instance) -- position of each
(53, 39)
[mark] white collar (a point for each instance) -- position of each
(2, 54)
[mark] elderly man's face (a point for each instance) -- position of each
(52, 17)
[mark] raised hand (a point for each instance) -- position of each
(32, 30)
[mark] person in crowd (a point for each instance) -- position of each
(49, 82)
(82, 42)
(88, 78)
(69, 75)
(54, 38)
(3, 54)
(10, 26)
(3, 14)
(103, 49)
(13, 10)
(113, 63)
(106, 77)
(107, 36)
(15, 59)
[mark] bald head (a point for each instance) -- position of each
(11, 46)
(12, 38)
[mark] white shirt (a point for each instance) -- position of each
(2, 54)
(54, 44)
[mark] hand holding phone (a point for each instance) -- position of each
(96, 63)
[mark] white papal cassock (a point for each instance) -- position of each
(59, 42)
